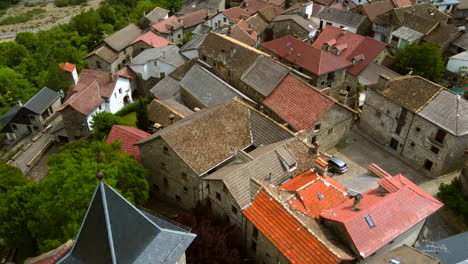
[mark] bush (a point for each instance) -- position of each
(102, 124)
(9, 20)
(61, 3)
(133, 107)
(452, 196)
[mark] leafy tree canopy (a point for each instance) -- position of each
(51, 212)
(423, 60)
(102, 124)
(10, 177)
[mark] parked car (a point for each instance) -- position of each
(337, 165)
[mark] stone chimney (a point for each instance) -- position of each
(322, 166)
(382, 82)
(357, 200)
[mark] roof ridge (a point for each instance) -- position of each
(293, 215)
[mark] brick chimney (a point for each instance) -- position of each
(382, 82)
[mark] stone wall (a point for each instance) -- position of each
(288, 27)
(222, 202)
(169, 176)
(75, 123)
(139, 47)
(97, 63)
(189, 100)
(260, 248)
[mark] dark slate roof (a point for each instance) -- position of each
(167, 54)
(450, 250)
(462, 41)
(448, 111)
(341, 16)
(207, 87)
(371, 73)
(8, 116)
(189, 6)
(42, 100)
(194, 43)
(167, 88)
(264, 75)
(115, 231)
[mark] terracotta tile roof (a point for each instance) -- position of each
(253, 6)
(125, 72)
(52, 256)
(235, 14)
(168, 25)
(90, 91)
(128, 136)
(68, 67)
(402, 3)
(275, 2)
(356, 45)
(310, 58)
(314, 194)
(152, 39)
(268, 13)
(394, 207)
(298, 103)
(286, 233)
(411, 92)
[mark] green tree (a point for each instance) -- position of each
(107, 14)
(102, 123)
(143, 121)
(12, 53)
(27, 39)
(57, 78)
(423, 59)
(13, 87)
(10, 177)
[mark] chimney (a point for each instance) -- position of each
(111, 77)
(19, 103)
(382, 82)
(196, 109)
(291, 50)
(171, 117)
(322, 166)
(357, 200)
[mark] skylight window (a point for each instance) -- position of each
(394, 261)
(369, 221)
(320, 196)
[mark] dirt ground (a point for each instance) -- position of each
(52, 17)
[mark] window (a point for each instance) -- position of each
(317, 127)
(253, 246)
(166, 183)
(255, 233)
(183, 176)
(98, 64)
(165, 149)
(156, 187)
(177, 197)
(394, 144)
(185, 189)
(330, 131)
(14, 127)
(398, 128)
(435, 149)
(412, 144)
(120, 90)
(418, 129)
(320, 196)
(369, 221)
(428, 165)
(348, 88)
(440, 136)
(218, 196)
(326, 47)
(224, 19)
(233, 209)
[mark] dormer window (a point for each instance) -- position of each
(357, 59)
(326, 47)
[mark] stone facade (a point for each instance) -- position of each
(411, 136)
(169, 176)
(95, 62)
(222, 202)
(288, 27)
(75, 123)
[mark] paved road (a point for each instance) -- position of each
(27, 155)
(358, 152)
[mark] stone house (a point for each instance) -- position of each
(294, 25)
(251, 30)
(323, 69)
(111, 219)
(95, 92)
(233, 15)
(70, 69)
(114, 51)
(229, 189)
(32, 117)
(314, 219)
(358, 50)
(153, 17)
(152, 65)
(313, 116)
(418, 120)
(179, 156)
(400, 27)
(148, 40)
(353, 22)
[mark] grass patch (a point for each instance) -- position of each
(9, 20)
(131, 118)
(33, 4)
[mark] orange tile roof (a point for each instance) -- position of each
(308, 186)
(68, 67)
(128, 136)
(298, 103)
(286, 233)
(404, 206)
